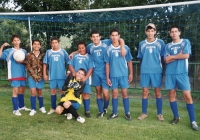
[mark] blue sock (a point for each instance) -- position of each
(106, 103)
(100, 104)
(144, 105)
(191, 113)
(174, 108)
(126, 105)
(40, 99)
(114, 105)
(21, 100)
(159, 105)
(86, 103)
(53, 101)
(33, 102)
(15, 103)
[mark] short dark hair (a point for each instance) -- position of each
(82, 69)
(14, 36)
(54, 38)
(95, 31)
(82, 42)
(36, 40)
(175, 26)
(114, 30)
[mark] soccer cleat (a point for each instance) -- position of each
(33, 112)
(105, 111)
(24, 108)
(128, 116)
(17, 113)
(160, 117)
(112, 116)
(51, 111)
(194, 126)
(69, 116)
(100, 115)
(87, 114)
(175, 121)
(80, 119)
(42, 109)
(142, 116)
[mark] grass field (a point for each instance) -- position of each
(56, 127)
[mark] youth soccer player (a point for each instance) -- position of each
(150, 52)
(34, 66)
(56, 60)
(85, 61)
(117, 74)
(16, 74)
(176, 57)
(73, 89)
(97, 50)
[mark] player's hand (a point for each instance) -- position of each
(46, 77)
(84, 79)
(71, 56)
(123, 52)
(130, 78)
(168, 59)
(5, 45)
(20, 62)
(109, 82)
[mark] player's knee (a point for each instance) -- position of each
(59, 110)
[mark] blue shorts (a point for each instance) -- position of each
(153, 79)
(33, 84)
(99, 80)
(87, 89)
(76, 105)
(181, 81)
(121, 82)
(18, 83)
(58, 83)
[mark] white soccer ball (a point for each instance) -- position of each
(19, 55)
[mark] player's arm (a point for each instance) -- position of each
(72, 54)
(171, 58)
(78, 92)
(88, 74)
(65, 86)
(108, 74)
(123, 50)
(130, 67)
(45, 72)
(72, 70)
(2, 47)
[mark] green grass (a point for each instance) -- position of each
(56, 127)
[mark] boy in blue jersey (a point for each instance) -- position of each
(97, 50)
(85, 61)
(34, 66)
(151, 53)
(117, 68)
(56, 60)
(176, 57)
(16, 74)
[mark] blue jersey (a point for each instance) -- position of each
(151, 54)
(56, 61)
(118, 64)
(82, 61)
(98, 52)
(178, 66)
(16, 71)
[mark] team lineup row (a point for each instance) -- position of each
(110, 64)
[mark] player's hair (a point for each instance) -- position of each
(175, 26)
(114, 30)
(149, 27)
(14, 36)
(82, 69)
(95, 31)
(54, 38)
(36, 40)
(82, 42)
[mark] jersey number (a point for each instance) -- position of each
(55, 58)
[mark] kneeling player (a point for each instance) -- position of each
(72, 88)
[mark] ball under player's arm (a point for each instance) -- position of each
(108, 74)
(2, 47)
(123, 50)
(130, 67)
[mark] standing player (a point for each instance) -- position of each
(97, 50)
(151, 53)
(117, 73)
(85, 61)
(34, 66)
(176, 56)
(16, 74)
(56, 60)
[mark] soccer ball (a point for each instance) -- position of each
(19, 55)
